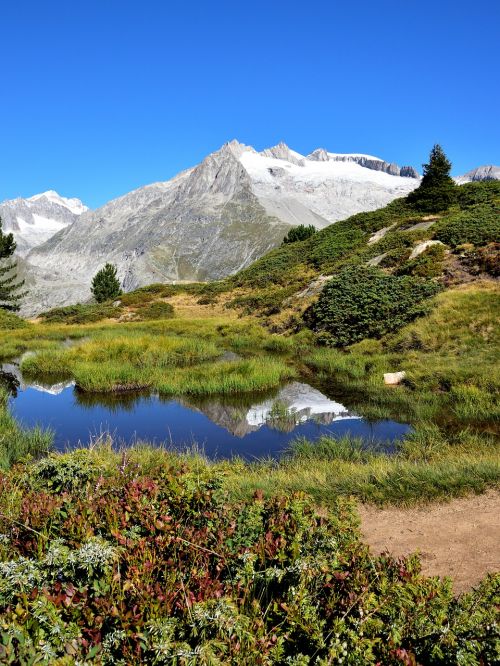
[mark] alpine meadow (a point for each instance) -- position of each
(249, 413)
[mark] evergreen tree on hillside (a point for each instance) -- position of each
(299, 233)
(105, 284)
(10, 295)
(437, 191)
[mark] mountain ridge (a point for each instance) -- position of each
(208, 221)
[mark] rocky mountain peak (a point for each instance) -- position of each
(319, 155)
(408, 172)
(74, 205)
(234, 148)
(486, 172)
(282, 152)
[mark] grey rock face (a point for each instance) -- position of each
(283, 152)
(209, 221)
(33, 221)
(489, 172)
(408, 172)
(321, 155)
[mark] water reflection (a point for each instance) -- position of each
(247, 425)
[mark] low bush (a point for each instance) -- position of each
(299, 233)
(363, 302)
(478, 225)
(129, 567)
(155, 310)
(82, 313)
(429, 264)
(9, 321)
(483, 259)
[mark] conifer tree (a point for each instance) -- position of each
(105, 284)
(10, 295)
(437, 190)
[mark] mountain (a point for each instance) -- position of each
(211, 220)
(33, 221)
(488, 172)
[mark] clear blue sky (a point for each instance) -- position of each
(101, 96)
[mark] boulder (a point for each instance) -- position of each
(394, 378)
(422, 247)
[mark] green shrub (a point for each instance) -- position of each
(129, 566)
(156, 310)
(299, 233)
(478, 225)
(482, 192)
(9, 321)
(362, 302)
(429, 264)
(82, 313)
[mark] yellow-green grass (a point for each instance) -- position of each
(451, 359)
(428, 466)
(168, 363)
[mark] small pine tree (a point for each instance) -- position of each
(105, 284)
(10, 295)
(299, 233)
(437, 191)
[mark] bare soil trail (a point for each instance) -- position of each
(460, 538)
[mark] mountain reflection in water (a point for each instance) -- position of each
(250, 426)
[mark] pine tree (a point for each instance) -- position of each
(10, 295)
(105, 284)
(437, 190)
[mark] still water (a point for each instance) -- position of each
(248, 426)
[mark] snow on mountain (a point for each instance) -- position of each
(209, 221)
(34, 220)
(73, 205)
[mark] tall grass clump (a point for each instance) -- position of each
(16, 442)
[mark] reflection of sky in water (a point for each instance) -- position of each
(254, 428)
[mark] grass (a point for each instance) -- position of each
(16, 442)
(428, 466)
(450, 358)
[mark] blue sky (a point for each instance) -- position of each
(102, 96)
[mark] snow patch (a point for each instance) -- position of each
(74, 205)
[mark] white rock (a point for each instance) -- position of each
(393, 378)
(378, 235)
(422, 247)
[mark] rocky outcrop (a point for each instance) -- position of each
(420, 248)
(488, 172)
(408, 172)
(366, 161)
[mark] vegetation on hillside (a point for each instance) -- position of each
(383, 239)
(299, 233)
(363, 302)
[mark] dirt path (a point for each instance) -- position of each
(460, 539)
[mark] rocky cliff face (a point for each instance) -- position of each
(209, 221)
(488, 172)
(33, 221)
